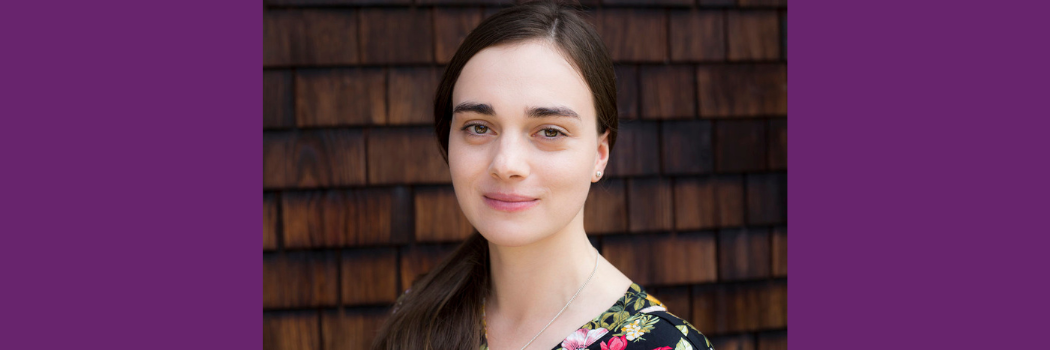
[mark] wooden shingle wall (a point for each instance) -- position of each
(357, 199)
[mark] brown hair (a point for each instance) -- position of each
(443, 309)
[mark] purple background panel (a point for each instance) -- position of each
(918, 189)
(131, 162)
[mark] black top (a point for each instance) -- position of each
(637, 321)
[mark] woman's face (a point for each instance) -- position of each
(523, 147)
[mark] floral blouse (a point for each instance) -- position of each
(637, 321)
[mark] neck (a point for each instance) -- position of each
(533, 282)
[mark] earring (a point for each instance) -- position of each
(599, 174)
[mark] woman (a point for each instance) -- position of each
(526, 118)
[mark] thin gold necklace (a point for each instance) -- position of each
(485, 324)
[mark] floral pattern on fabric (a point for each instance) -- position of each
(583, 338)
(638, 321)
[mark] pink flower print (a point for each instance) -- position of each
(583, 338)
(663, 348)
(616, 343)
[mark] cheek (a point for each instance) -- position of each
(568, 176)
(465, 166)
(461, 158)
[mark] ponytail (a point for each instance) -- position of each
(443, 309)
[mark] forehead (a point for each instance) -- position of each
(514, 77)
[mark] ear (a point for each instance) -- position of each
(602, 158)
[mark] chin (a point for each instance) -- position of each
(509, 234)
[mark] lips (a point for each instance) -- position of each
(509, 202)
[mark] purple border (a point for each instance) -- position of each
(131, 148)
(131, 135)
(914, 168)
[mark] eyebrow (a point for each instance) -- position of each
(533, 112)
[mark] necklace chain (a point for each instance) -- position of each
(555, 316)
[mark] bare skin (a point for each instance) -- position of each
(540, 255)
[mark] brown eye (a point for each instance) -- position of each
(552, 133)
(481, 129)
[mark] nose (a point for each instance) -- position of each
(511, 159)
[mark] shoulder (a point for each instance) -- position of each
(673, 332)
(659, 329)
(640, 321)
